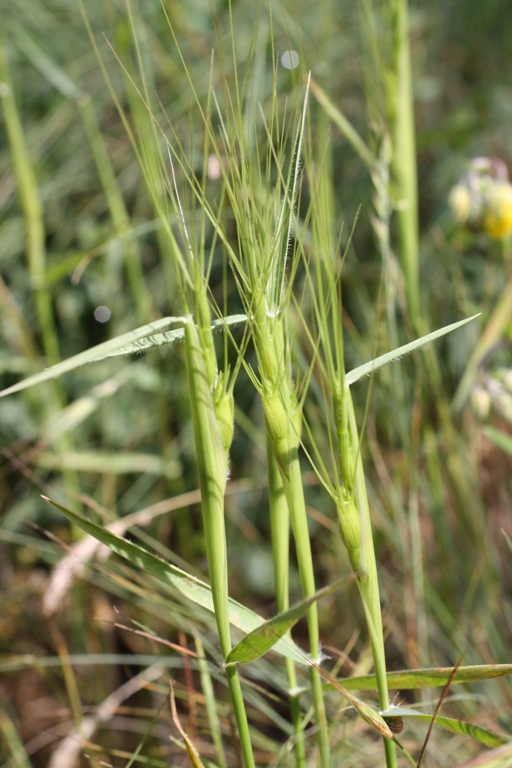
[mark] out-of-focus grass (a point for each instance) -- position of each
(103, 247)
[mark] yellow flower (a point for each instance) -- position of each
(498, 211)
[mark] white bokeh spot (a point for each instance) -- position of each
(102, 314)
(290, 59)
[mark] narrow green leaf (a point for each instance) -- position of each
(14, 744)
(109, 463)
(190, 587)
(484, 735)
(346, 128)
(368, 368)
(139, 340)
(263, 638)
(499, 438)
(374, 719)
(170, 337)
(55, 75)
(407, 680)
(11, 663)
(497, 758)
(91, 355)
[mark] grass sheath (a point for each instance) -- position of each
(283, 427)
(213, 470)
(280, 533)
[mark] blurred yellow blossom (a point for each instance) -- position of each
(497, 220)
(482, 198)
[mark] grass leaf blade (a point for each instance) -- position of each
(170, 337)
(190, 587)
(409, 680)
(91, 355)
(263, 638)
(344, 125)
(368, 368)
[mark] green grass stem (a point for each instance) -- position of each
(32, 211)
(117, 208)
(400, 113)
(35, 244)
(367, 579)
(211, 707)
(280, 532)
(213, 469)
(283, 426)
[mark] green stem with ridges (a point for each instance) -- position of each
(213, 467)
(280, 533)
(283, 425)
(400, 108)
(367, 579)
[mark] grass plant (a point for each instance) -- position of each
(208, 220)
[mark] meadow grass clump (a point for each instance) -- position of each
(245, 435)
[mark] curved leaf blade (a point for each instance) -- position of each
(170, 337)
(92, 355)
(408, 680)
(484, 735)
(139, 340)
(190, 587)
(263, 638)
(368, 368)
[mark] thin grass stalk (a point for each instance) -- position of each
(23, 341)
(36, 253)
(211, 709)
(13, 744)
(388, 89)
(356, 531)
(140, 94)
(280, 533)
(348, 489)
(400, 109)
(213, 468)
(283, 424)
(151, 165)
(380, 224)
(367, 578)
(381, 227)
(117, 208)
(418, 574)
(32, 211)
(68, 674)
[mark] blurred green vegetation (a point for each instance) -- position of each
(116, 437)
